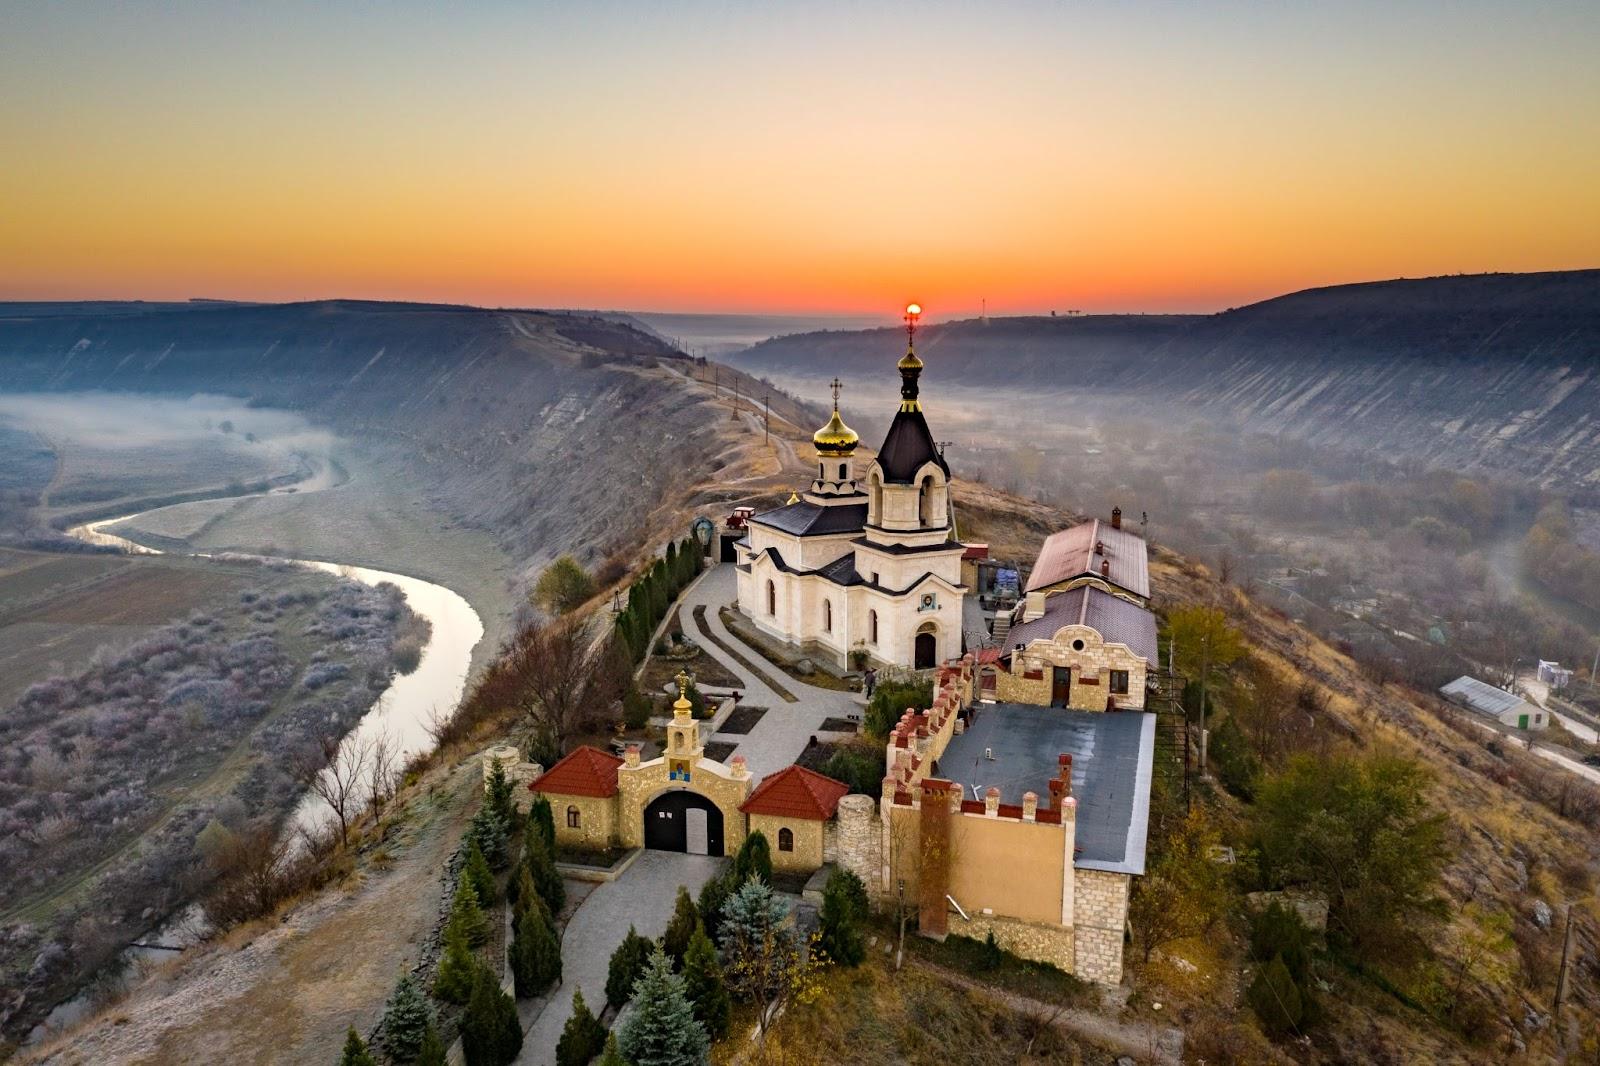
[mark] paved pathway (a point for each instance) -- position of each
(643, 897)
(781, 735)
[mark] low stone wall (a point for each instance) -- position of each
(1053, 944)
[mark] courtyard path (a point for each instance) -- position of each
(781, 735)
(642, 897)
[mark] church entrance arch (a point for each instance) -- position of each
(925, 650)
(680, 820)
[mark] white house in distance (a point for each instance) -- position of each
(1507, 708)
(866, 564)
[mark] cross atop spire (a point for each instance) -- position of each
(836, 385)
(910, 365)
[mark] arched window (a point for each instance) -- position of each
(925, 502)
(842, 469)
(772, 598)
(827, 616)
(574, 818)
(872, 626)
(875, 508)
(785, 839)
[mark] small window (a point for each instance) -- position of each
(785, 839)
(574, 818)
(872, 621)
(1077, 645)
(827, 616)
(772, 598)
(1119, 682)
(841, 471)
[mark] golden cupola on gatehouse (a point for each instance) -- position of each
(835, 440)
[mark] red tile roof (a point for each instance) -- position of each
(796, 792)
(585, 771)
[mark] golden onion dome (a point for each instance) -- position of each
(910, 361)
(835, 439)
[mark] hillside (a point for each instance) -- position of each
(1495, 372)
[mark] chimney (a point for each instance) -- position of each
(1116, 518)
(991, 803)
(1105, 567)
(1030, 806)
(632, 758)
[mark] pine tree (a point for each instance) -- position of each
(491, 832)
(520, 892)
(612, 1056)
(355, 1051)
(582, 1037)
(497, 794)
(466, 917)
(541, 862)
(453, 980)
(406, 1018)
(754, 859)
(432, 1051)
(844, 905)
(540, 815)
(703, 983)
(476, 870)
(662, 1030)
(680, 930)
(713, 895)
(1275, 998)
(491, 1034)
(627, 963)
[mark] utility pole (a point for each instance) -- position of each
(1561, 974)
(766, 425)
(1205, 669)
(900, 952)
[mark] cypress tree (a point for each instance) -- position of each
(355, 1051)
(680, 930)
(476, 870)
(627, 963)
(713, 894)
(582, 1037)
(703, 983)
(612, 1056)
(541, 816)
(541, 862)
(1275, 998)
(662, 1029)
(844, 905)
(497, 794)
(406, 1019)
(452, 982)
(466, 917)
(491, 1034)
(535, 953)
(432, 1050)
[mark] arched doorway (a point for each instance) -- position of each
(681, 820)
(925, 651)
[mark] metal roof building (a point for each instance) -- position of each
(1508, 708)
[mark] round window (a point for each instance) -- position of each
(1077, 645)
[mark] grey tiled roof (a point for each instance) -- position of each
(842, 571)
(805, 519)
(1112, 757)
(1115, 619)
(908, 444)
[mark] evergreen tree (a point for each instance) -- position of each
(497, 794)
(540, 860)
(662, 1029)
(535, 953)
(582, 1037)
(476, 870)
(680, 930)
(627, 963)
(713, 894)
(672, 566)
(844, 907)
(466, 917)
(491, 832)
(612, 1056)
(1275, 998)
(703, 983)
(452, 982)
(355, 1051)
(406, 1018)
(432, 1051)
(491, 1034)
(544, 819)
(754, 859)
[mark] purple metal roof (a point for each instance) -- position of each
(1079, 551)
(1115, 619)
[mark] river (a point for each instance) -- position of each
(403, 713)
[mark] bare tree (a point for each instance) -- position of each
(567, 679)
(381, 772)
(253, 874)
(335, 772)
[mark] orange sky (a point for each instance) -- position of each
(833, 158)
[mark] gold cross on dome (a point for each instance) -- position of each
(836, 385)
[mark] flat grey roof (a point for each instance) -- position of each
(1481, 696)
(1113, 754)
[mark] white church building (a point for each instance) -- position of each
(863, 562)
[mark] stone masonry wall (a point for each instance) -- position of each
(858, 841)
(1100, 913)
(597, 820)
(808, 850)
(1090, 671)
(1028, 940)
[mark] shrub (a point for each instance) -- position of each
(476, 871)
(860, 768)
(1237, 766)
(844, 906)
(1275, 998)
(890, 700)
(466, 917)
(563, 586)
(431, 1052)
(663, 1030)
(627, 963)
(535, 952)
(1279, 932)
(754, 859)
(491, 1034)
(612, 1056)
(452, 982)
(582, 1038)
(713, 894)
(990, 955)
(407, 1017)
(636, 708)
